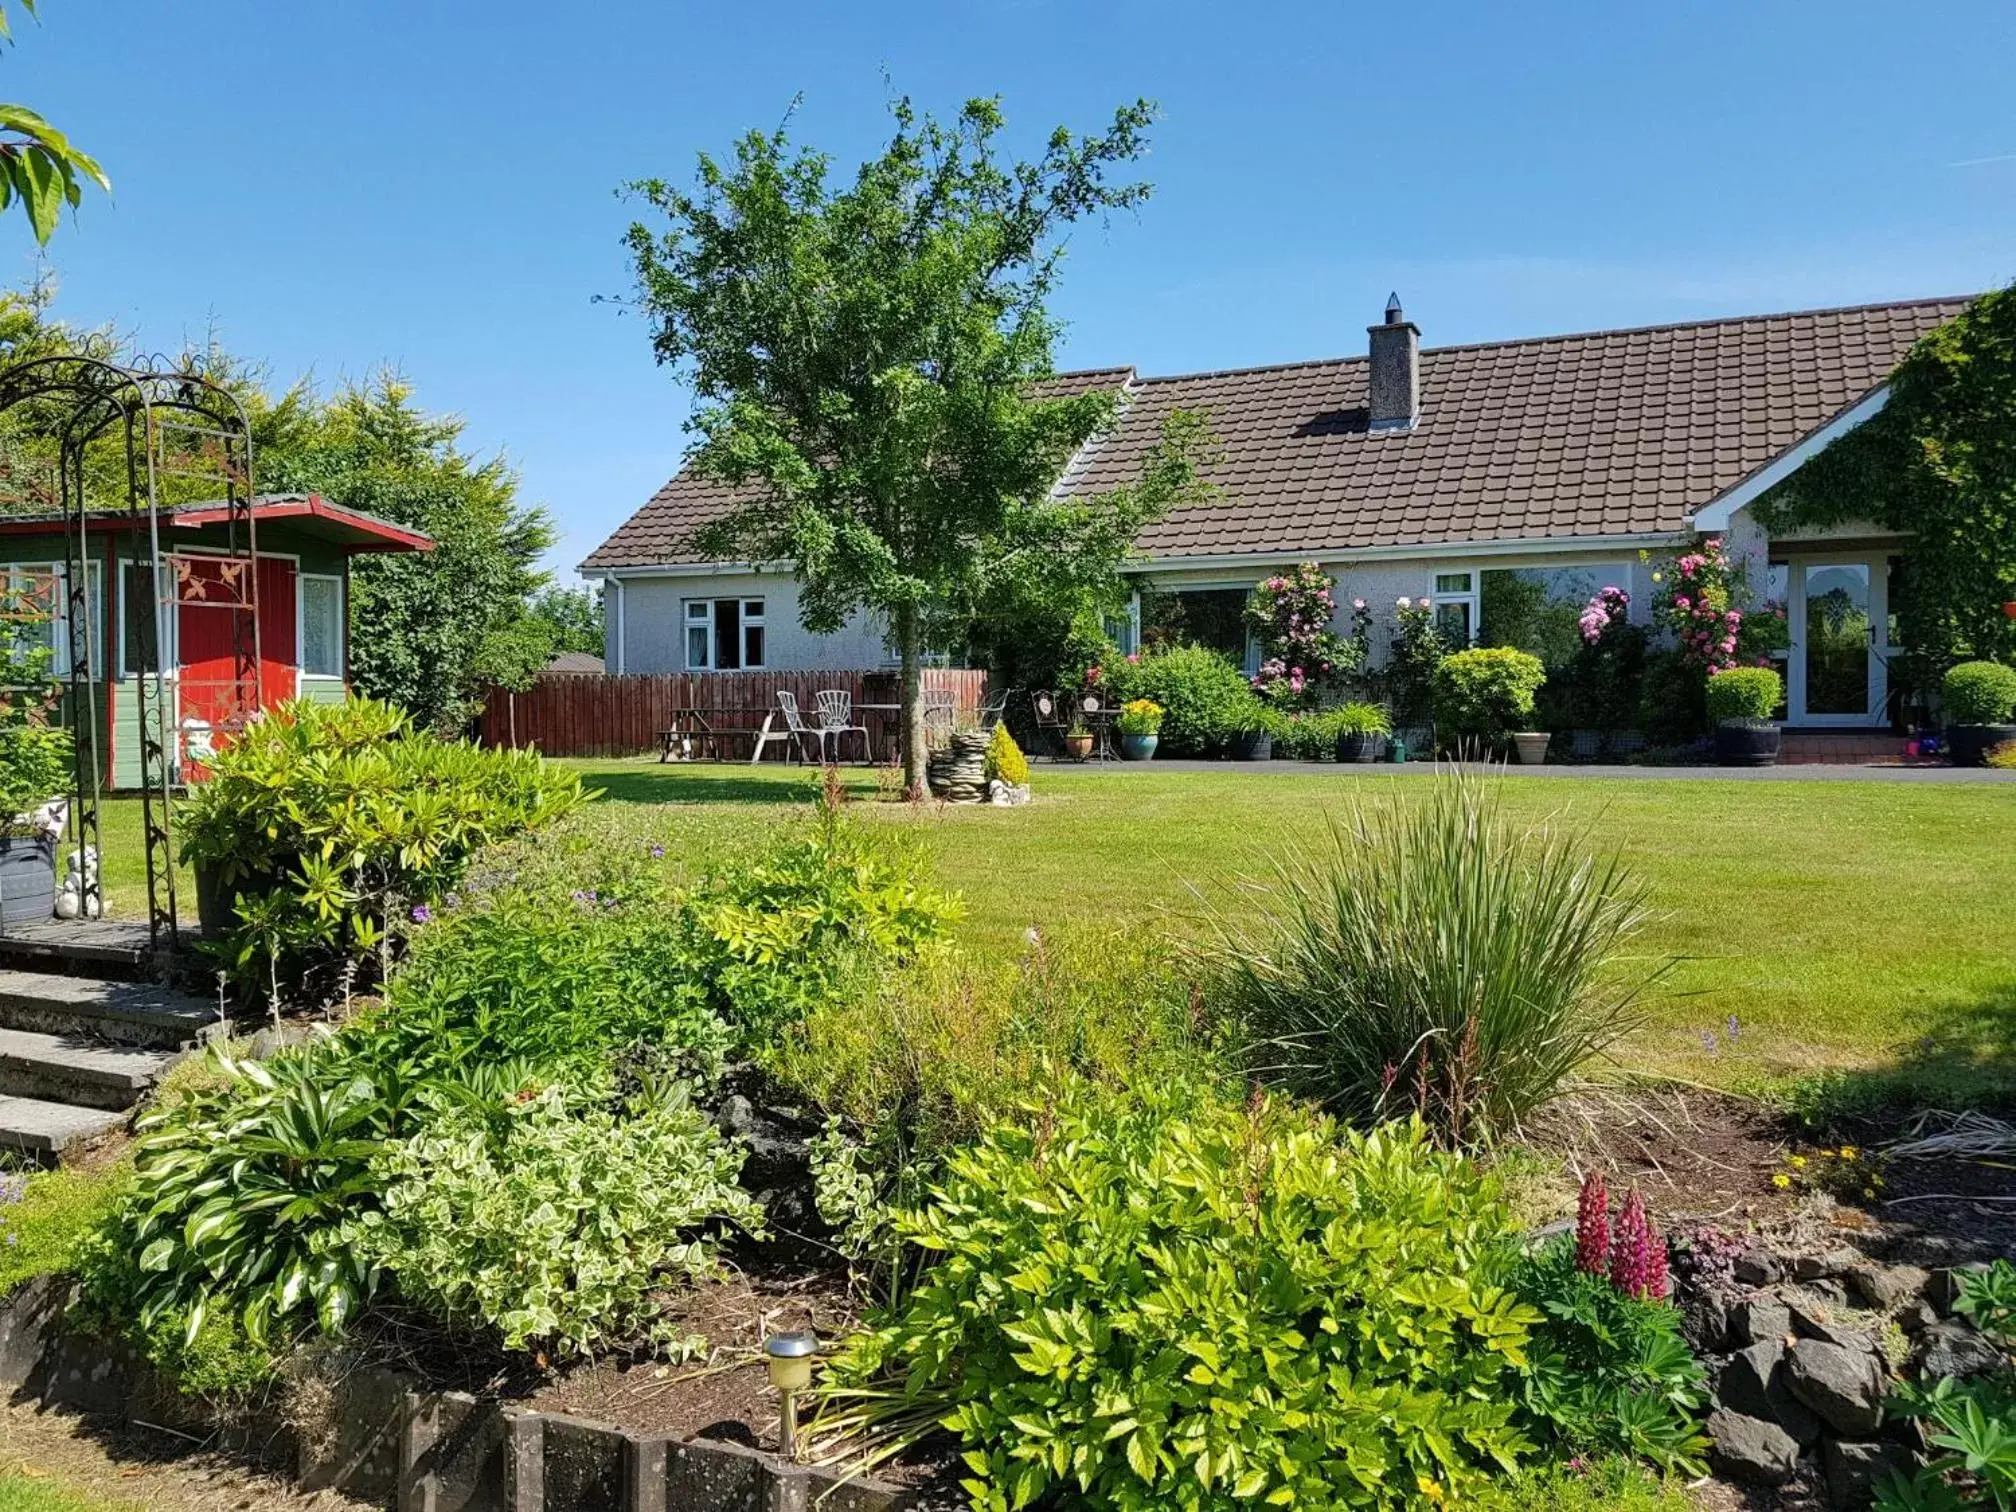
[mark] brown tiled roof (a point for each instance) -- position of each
(1609, 433)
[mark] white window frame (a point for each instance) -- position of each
(745, 620)
(1472, 597)
(94, 609)
(301, 582)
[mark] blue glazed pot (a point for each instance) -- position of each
(1138, 747)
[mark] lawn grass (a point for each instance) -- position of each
(1841, 924)
(21, 1491)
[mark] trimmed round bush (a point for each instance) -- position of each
(1483, 695)
(1980, 693)
(1744, 693)
(1205, 699)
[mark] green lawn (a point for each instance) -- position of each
(1849, 924)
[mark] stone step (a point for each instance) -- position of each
(67, 1069)
(47, 1128)
(127, 1013)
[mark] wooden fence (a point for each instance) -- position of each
(586, 714)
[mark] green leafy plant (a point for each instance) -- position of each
(47, 1218)
(1434, 955)
(1308, 737)
(1483, 695)
(1979, 693)
(1139, 716)
(1607, 1372)
(2002, 756)
(1130, 1306)
(1205, 700)
(36, 762)
(1362, 719)
(1970, 1424)
(335, 825)
(1744, 693)
(553, 1222)
(1005, 761)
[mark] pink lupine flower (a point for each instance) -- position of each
(1592, 1225)
(1630, 1249)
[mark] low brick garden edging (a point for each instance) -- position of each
(432, 1451)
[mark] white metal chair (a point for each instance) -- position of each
(836, 718)
(793, 735)
(940, 711)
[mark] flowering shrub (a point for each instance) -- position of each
(1415, 650)
(1290, 615)
(1139, 716)
(1698, 598)
(1609, 609)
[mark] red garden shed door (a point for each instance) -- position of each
(206, 621)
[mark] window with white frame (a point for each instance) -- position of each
(724, 635)
(1455, 601)
(38, 596)
(321, 627)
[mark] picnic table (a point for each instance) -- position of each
(693, 735)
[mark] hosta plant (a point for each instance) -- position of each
(1127, 1307)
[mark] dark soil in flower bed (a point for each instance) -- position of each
(1704, 1158)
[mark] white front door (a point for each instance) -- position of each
(1838, 614)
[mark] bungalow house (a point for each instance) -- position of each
(304, 546)
(1454, 474)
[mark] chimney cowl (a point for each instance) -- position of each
(1393, 390)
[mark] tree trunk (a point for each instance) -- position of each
(911, 662)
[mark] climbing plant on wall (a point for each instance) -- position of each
(1938, 463)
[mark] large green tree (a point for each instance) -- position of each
(573, 616)
(1938, 463)
(868, 359)
(38, 165)
(429, 631)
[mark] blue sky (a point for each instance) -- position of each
(429, 184)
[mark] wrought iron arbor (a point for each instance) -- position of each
(107, 452)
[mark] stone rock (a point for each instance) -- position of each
(1753, 1384)
(1888, 1286)
(1853, 1469)
(1750, 1450)
(1705, 1318)
(1835, 1262)
(1917, 1317)
(1943, 1290)
(1954, 1349)
(1756, 1268)
(1845, 1386)
(1829, 1289)
(1760, 1318)
(1829, 1327)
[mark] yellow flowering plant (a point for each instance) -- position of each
(1140, 716)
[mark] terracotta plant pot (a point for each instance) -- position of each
(1531, 746)
(1079, 746)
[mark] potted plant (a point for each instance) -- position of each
(1140, 725)
(1078, 740)
(1979, 699)
(1741, 701)
(1257, 728)
(35, 766)
(1361, 727)
(1484, 697)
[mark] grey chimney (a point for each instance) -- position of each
(1395, 388)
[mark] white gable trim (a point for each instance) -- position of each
(1715, 517)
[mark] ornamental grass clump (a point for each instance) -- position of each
(1432, 956)
(1136, 1305)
